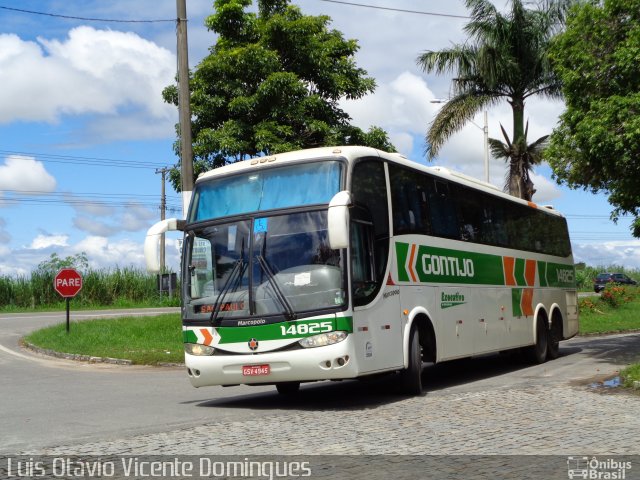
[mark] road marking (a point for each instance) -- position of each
(19, 355)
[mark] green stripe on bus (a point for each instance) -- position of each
(542, 273)
(516, 300)
(402, 250)
(562, 276)
(519, 272)
(189, 336)
(284, 330)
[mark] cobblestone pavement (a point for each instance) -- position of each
(526, 420)
(488, 418)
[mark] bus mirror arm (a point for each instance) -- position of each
(338, 220)
(152, 241)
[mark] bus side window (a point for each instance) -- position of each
(409, 201)
(471, 214)
(444, 216)
(369, 194)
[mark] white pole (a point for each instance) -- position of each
(486, 147)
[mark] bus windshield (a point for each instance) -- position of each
(276, 266)
(266, 189)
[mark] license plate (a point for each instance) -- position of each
(255, 370)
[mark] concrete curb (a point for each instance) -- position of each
(88, 358)
(75, 356)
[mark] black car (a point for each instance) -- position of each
(603, 279)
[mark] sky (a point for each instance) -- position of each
(83, 127)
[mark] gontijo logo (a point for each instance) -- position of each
(419, 262)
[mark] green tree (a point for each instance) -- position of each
(596, 145)
(504, 58)
(272, 83)
(55, 263)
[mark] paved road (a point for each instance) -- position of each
(489, 405)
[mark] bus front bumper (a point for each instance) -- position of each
(331, 362)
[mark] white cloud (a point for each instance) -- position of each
(404, 108)
(622, 253)
(89, 72)
(132, 218)
(44, 241)
(94, 226)
(25, 174)
(546, 190)
(88, 206)
(103, 254)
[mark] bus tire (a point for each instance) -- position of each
(288, 388)
(411, 377)
(555, 335)
(537, 353)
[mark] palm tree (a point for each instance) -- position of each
(504, 57)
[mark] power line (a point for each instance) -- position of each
(86, 19)
(36, 197)
(77, 160)
(417, 12)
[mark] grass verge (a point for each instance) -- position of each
(143, 340)
(599, 317)
(631, 376)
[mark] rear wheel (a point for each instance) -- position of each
(288, 388)
(555, 335)
(411, 377)
(537, 353)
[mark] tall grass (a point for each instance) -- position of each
(121, 287)
(585, 275)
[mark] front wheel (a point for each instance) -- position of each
(411, 377)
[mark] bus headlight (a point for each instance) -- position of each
(198, 349)
(323, 339)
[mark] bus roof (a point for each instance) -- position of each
(351, 153)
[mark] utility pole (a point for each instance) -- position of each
(184, 107)
(163, 210)
(486, 147)
(485, 131)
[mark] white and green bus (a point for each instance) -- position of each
(346, 262)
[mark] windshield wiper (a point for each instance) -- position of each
(237, 270)
(289, 312)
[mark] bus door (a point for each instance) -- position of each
(376, 315)
(377, 318)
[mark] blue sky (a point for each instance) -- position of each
(83, 126)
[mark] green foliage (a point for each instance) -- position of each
(631, 376)
(505, 57)
(272, 83)
(144, 340)
(616, 295)
(586, 275)
(598, 315)
(597, 143)
(120, 287)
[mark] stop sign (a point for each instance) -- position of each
(68, 282)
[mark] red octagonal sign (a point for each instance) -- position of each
(68, 282)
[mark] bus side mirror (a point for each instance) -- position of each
(152, 241)
(338, 220)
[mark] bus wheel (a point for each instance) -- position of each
(555, 334)
(537, 353)
(411, 377)
(288, 388)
